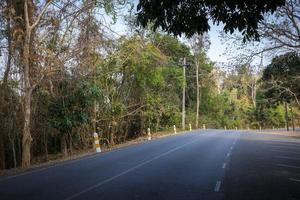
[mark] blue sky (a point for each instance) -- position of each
(217, 49)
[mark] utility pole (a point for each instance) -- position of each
(198, 92)
(183, 94)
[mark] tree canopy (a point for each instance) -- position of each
(281, 78)
(190, 17)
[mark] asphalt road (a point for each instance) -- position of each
(210, 164)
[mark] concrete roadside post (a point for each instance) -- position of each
(149, 134)
(225, 128)
(204, 127)
(235, 128)
(97, 144)
(190, 125)
(259, 128)
(174, 127)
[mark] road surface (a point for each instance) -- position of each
(203, 164)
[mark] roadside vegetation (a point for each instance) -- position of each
(66, 73)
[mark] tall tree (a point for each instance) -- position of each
(281, 81)
(199, 44)
(30, 24)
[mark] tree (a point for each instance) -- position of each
(281, 78)
(30, 25)
(282, 30)
(190, 17)
(70, 108)
(199, 44)
(279, 33)
(281, 81)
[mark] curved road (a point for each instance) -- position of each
(195, 165)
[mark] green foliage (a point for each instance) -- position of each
(280, 79)
(191, 17)
(70, 108)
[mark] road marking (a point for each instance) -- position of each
(282, 151)
(296, 180)
(224, 165)
(289, 166)
(127, 171)
(286, 157)
(228, 154)
(217, 187)
(231, 147)
(50, 166)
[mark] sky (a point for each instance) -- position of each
(215, 52)
(217, 49)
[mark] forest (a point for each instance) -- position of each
(66, 73)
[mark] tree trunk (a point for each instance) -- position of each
(26, 139)
(293, 119)
(14, 153)
(63, 145)
(286, 116)
(70, 144)
(26, 136)
(46, 145)
(253, 92)
(111, 137)
(4, 88)
(2, 152)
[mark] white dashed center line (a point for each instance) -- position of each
(224, 165)
(217, 187)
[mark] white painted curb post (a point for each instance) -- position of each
(204, 126)
(97, 144)
(149, 134)
(190, 125)
(225, 128)
(174, 127)
(235, 128)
